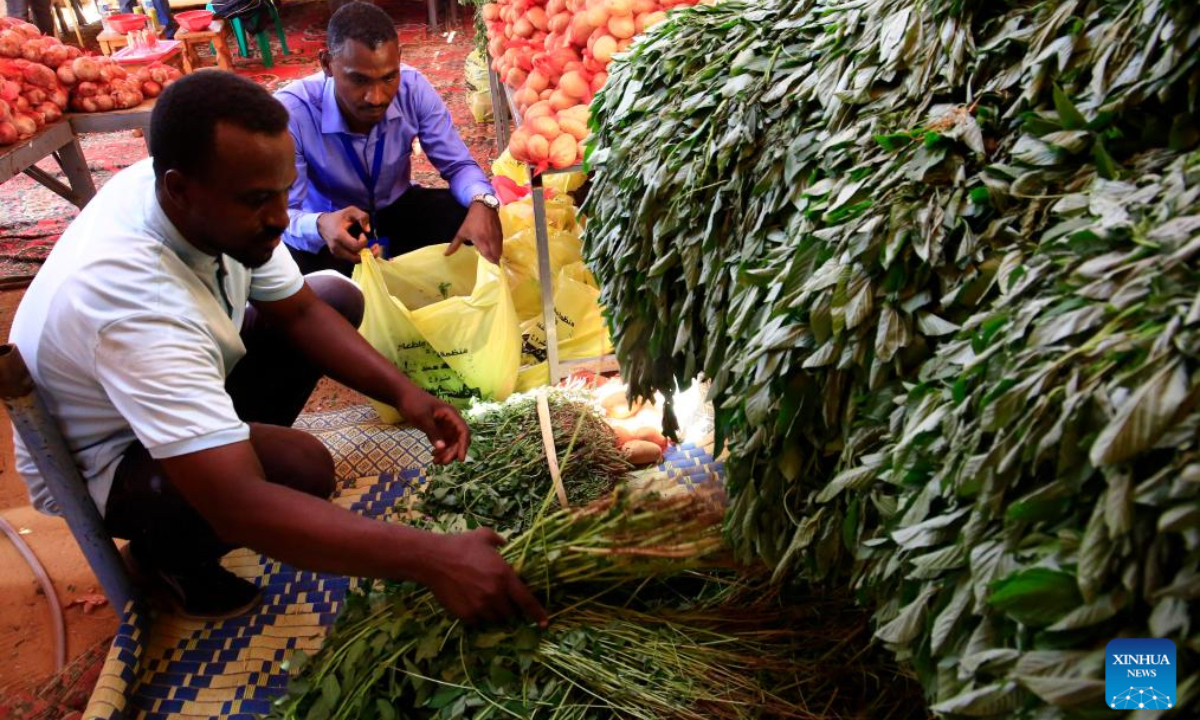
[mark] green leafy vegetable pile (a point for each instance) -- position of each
(505, 478)
(940, 262)
(647, 623)
(649, 619)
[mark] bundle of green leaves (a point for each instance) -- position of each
(506, 477)
(939, 261)
(1042, 477)
(647, 623)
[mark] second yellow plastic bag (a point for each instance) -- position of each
(582, 332)
(447, 322)
(521, 266)
(479, 97)
(518, 172)
(517, 216)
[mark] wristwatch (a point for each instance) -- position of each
(489, 200)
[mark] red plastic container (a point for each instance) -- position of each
(125, 22)
(195, 20)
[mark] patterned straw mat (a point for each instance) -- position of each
(170, 667)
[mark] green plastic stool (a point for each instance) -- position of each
(264, 44)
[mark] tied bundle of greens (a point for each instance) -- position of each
(647, 622)
(939, 261)
(505, 477)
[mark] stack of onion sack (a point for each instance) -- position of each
(555, 53)
(550, 138)
(31, 95)
(100, 85)
(40, 78)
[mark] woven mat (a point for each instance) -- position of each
(231, 670)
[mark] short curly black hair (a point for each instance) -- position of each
(361, 22)
(183, 126)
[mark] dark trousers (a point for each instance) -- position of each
(269, 387)
(419, 217)
(43, 15)
(162, 8)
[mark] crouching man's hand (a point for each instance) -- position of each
(441, 423)
(482, 229)
(336, 230)
(473, 582)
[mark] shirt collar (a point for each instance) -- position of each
(331, 117)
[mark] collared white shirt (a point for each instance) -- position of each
(128, 337)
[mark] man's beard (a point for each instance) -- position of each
(253, 262)
(261, 254)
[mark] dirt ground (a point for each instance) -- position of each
(27, 645)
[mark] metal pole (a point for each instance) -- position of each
(500, 114)
(53, 459)
(544, 275)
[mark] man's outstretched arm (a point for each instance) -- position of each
(227, 486)
(164, 375)
(335, 346)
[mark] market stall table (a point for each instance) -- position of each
(166, 52)
(135, 118)
(58, 141)
(111, 41)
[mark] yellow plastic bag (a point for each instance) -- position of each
(520, 251)
(560, 215)
(507, 166)
(518, 172)
(448, 323)
(479, 96)
(521, 266)
(582, 332)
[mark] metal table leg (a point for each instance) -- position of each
(549, 317)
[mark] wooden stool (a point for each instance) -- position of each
(215, 34)
(110, 41)
(60, 8)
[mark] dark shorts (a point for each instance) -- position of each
(419, 217)
(269, 386)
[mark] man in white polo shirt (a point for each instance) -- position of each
(176, 396)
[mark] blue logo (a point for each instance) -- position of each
(1139, 674)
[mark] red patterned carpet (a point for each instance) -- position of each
(32, 217)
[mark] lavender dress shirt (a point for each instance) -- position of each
(327, 180)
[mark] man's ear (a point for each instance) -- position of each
(323, 58)
(175, 185)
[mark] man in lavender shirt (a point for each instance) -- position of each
(354, 124)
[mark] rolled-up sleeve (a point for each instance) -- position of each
(276, 279)
(166, 378)
(445, 148)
